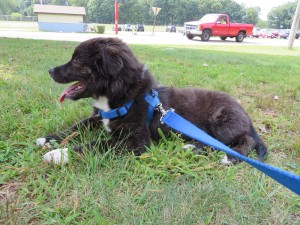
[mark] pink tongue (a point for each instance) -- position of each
(67, 90)
(62, 98)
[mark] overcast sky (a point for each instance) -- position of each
(265, 6)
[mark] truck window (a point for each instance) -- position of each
(222, 20)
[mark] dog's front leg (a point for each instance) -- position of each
(135, 142)
(88, 123)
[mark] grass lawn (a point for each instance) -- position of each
(165, 185)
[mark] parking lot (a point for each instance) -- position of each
(142, 38)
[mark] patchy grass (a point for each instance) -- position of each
(165, 185)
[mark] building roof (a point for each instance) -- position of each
(58, 9)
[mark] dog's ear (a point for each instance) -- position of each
(110, 60)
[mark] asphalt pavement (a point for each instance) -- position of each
(158, 38)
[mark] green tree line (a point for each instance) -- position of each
(172, 11)
(282, 16)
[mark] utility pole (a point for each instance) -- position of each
(116, 15)
(294, 27)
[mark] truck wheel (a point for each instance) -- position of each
(205, 35)
(190, 36)
(223, 38)
(240, 37)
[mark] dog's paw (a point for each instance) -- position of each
(57, 156)
(226, 162)
(196, 149)
(43, 142)
(48, 141)
(188, 147)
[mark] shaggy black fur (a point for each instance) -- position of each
(106, 67)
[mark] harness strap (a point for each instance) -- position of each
(114, 113)
(153, 100)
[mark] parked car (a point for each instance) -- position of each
(139, 27)
(270, 35)
(259, 33)
(286, 34)
(119, 28)
(171, 28)
(275, 33)
(256, 34)
(283, 35)
(263, 33)
(127, 27)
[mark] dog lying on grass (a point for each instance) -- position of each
(106, 70)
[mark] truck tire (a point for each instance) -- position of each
(223, 38)
(240, 36)
(205, 36)
(190, 36)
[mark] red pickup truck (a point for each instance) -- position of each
(217, 25)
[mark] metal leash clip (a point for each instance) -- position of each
(163, 112)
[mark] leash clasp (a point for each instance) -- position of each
(163, 112)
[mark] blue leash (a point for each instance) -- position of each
(176, 122)
(181, 125)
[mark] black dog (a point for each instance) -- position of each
(106, 70)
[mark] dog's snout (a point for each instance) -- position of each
(51, 71)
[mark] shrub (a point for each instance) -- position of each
(100, 28)
(16, 16)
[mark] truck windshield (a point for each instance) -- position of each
(209, 18)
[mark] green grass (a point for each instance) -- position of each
(165, 185)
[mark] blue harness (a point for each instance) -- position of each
(176, 122)
(115, 113)
(151, 98)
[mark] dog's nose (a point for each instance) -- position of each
(51, 71)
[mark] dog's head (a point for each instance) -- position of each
(100, 67)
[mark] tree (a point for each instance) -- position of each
(59, 2)
(92, 12)
(129, 11)
(282, 16)
(26, 7)
(262, 23)
(210, 6)
(171, 11)
(236, 11)
(252, 15)
(7, 7)
(146, 14)
(82, 3)
(140, 11)
(191, 11)
(100, 11)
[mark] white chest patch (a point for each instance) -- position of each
(102, 103)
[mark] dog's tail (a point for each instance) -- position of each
(260, 147)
